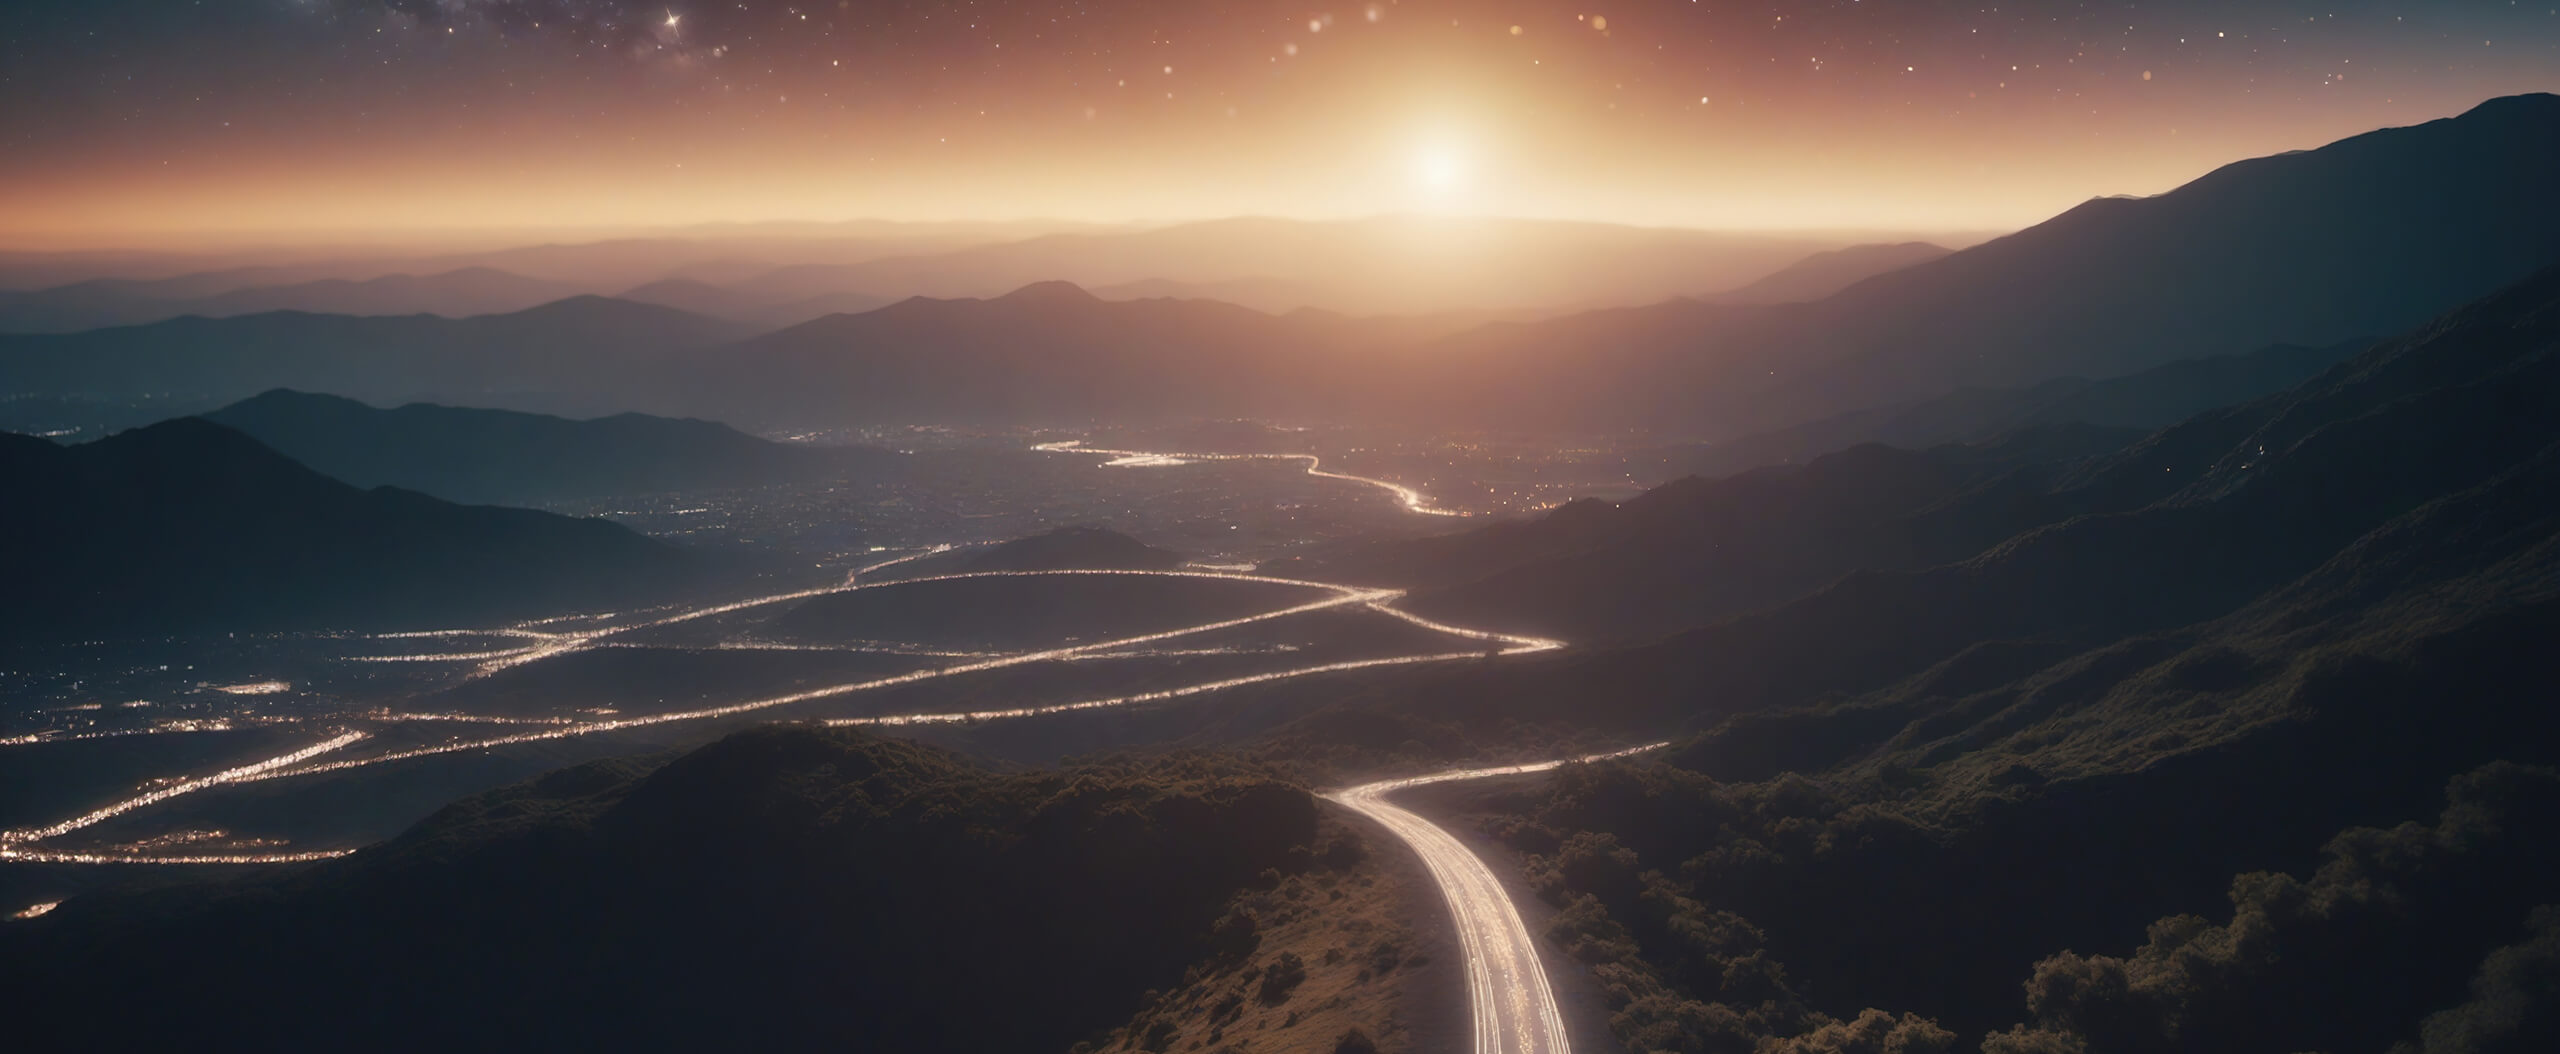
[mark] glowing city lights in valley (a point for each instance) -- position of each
(1413, 500)
(15, 844)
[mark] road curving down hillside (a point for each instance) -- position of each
(1510, 1002)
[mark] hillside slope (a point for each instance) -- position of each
(474, 455)
(784, 888)
(188, 526)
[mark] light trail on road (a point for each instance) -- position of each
(1512, 1006)
(1414, 501)
(1345, 596)
(556, 644)
(12, 843)
(48, 856)
(243, 774)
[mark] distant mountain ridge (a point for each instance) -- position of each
(574, 348)
(1047, 352)
(503, 456)
(1825, 273)
(100, 304)
(2368, 235)
(188, 526)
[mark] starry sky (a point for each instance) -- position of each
(128, 122)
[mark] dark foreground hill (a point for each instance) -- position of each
(508, 457)
(2246, 746)
(190, 526)
(782, 889)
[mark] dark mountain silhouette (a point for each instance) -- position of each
(759, 308)
(1044, 353)
(785, 888)
(1695, 551)
(2152, 399)
(99, 304)
(1825, 273)
(190, 526)
(2366, 236)
(2323, 611)
(1270, 295)
(1376, 265)
(577, 344)
(501, 456)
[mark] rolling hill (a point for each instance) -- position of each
(188, 526)
(99, 304)
(2247, 715)
(2154, 398)
(565, 350)
(1825, 273)
(506, 457)
(806, 888)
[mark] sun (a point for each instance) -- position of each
(1439, 169)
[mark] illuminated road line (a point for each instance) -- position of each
(1142, 697)
(48, 856)
(563, 728)
(1513, 1008)
(1348, 596)
(242, 774)
(564, 643)
(1413, 500)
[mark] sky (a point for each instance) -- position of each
(134, 124)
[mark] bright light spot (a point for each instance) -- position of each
(1315, 25)
(1439, 168)
(1515, 31)
(33, 910)
(1599, 22)
(1375, 12)
(254, 688)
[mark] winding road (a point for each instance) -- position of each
(1513, 1006)
(1412, 500)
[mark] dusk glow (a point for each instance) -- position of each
(1222, 526)
(129, 122)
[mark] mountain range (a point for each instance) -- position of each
(2358, 239)
(566, 352)
(188, 526)
(2171, 735)
(101, 303)
(507, 457)
(1825, 273)
(2151, 399)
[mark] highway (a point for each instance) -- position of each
(1512, 1005)
(1414, 501)
(19, 844)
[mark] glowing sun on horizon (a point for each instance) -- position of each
(1440, 172)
